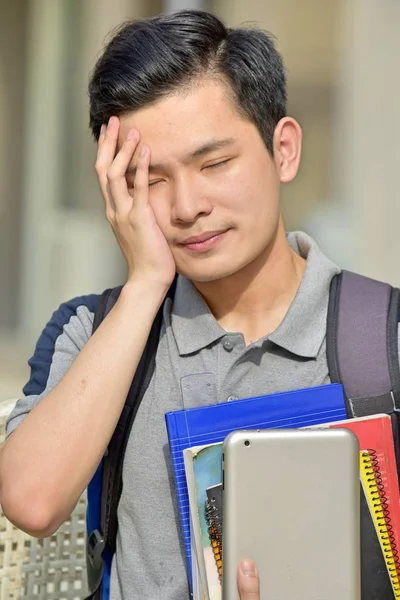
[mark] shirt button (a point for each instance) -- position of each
(232, 398)
(227, 344)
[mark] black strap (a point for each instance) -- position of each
(112, 474)
(113, 462)
(95, 540)
(362, 343)
(101, 306)
(331, 329)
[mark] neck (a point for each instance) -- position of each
(254, 301)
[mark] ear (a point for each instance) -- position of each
(287, 148)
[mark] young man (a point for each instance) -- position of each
(193, 145)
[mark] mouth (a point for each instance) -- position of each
(205, 241)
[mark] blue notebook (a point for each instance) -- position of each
(209, 424)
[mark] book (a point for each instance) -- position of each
(375, 435)
(209, 424)
(198, 592)
(203, 467)
(378, 510)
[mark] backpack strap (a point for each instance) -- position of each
(95, 542)
(362, 343)
(113, 459)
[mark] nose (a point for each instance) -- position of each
(189, 202)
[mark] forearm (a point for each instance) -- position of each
(50, 458)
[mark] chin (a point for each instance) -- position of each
(221, 263)
(210, 273)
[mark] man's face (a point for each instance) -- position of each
(211, 178)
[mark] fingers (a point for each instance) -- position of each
(111, 168)
(102, 136)
(141, 183)
(248, 581)
(106, 149)
(116, 174)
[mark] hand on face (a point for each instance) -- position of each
(248, 581)
(131, 217)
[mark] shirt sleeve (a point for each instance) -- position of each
(62, 339)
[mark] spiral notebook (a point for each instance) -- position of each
(209, 424)
(379, 574)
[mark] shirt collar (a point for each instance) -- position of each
(303, 328)
(193, 325)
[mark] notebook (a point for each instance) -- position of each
(375, 436)
(203, 468)
(208, 424)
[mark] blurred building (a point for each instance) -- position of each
(342, 58)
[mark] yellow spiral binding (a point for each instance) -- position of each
(214, 526)
(370, 477)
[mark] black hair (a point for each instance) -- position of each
(147, 60)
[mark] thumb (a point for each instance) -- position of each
(248, 580)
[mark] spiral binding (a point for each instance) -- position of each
(382, 514)
(213, 515)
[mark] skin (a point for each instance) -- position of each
(190, 165)
(250, 278)
(248, 580)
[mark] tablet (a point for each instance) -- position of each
(291, 502)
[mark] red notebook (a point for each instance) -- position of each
(375, 436)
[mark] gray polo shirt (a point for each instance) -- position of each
(197, 363)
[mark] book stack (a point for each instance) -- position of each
(196, 437)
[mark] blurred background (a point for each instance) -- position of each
(342, 58)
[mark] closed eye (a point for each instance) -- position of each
(218, 164)
(155, 182)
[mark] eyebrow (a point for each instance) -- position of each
(206, 148)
